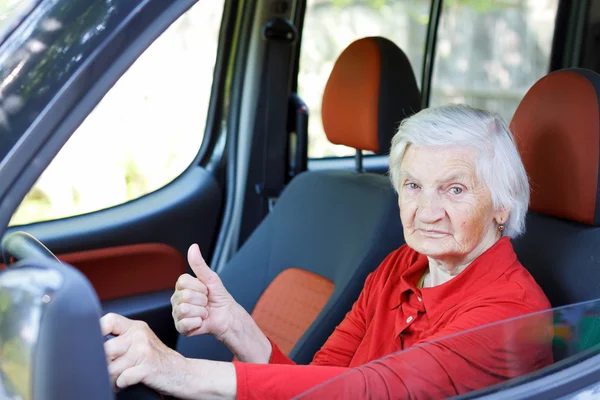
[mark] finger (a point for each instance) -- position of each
(186, 310)
(116, 347)
(199, 266)
(187, 281)
(188, 325)
(131, 376)
(116, 368)
(203, 330)
(190, 297)
(115, 324)
(198, 296)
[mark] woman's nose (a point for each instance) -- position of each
(430, 208)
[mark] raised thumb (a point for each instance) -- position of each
(199, 266)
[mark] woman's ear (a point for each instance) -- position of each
(501, 216)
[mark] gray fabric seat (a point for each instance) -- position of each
(337, 226)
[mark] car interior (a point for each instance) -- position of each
(305, 255)
(293, 237)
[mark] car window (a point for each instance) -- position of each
(489, 358)
(402, 21)
(143, 134)
(42, 54)
(488, 54)
(11, 13)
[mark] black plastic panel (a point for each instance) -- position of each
(154, 308)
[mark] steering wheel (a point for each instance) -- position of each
(20, 246)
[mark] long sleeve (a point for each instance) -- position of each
(450, 364)
(277, 356)
(431, 369)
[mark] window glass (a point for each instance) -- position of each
(330, 26)
(44, 54)
(489, 358)
(11, 13)
(489, 53)
(145, 131)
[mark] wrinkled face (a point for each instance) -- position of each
(446, 210)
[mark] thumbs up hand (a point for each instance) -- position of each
(202, 305)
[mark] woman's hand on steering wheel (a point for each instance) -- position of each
(135, 355)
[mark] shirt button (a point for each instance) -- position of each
(420, 299)
(409, 319)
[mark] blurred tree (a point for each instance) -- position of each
(477, 5)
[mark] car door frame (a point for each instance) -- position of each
(203, 179)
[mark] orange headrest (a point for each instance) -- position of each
(371, 89)
(557, 129)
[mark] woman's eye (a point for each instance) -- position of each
(412, 186)
(456, 190)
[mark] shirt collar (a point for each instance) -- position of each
(485, 269)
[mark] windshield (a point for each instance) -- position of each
(11, 13)
(486, 359)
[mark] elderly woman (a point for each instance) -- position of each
(463, 193)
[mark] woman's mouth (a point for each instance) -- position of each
(433, 233)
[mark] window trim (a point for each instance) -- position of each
(299, 13)
(575, 33)
(435, 13)
(210, 154)
(570, 26)
(236, 72)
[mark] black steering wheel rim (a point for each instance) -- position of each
(21, 245)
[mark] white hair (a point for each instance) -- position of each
(499, 164)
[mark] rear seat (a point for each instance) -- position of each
(557, 129)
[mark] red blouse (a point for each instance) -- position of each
(392, 314)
